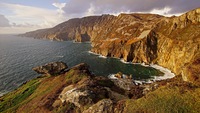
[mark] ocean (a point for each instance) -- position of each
(18, 55)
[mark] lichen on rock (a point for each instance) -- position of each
(53, 68)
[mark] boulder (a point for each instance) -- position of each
(119, 75)
(103, 106)
(125, 84)
(53, 68)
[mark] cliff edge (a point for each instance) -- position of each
(172, 42)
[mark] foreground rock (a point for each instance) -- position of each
(103, 106)
(76, 90)
(53, 68)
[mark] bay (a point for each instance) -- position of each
(18, 55)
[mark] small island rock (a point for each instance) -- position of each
(52, 68)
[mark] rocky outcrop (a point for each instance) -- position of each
(53, 68)
(103, 106)
(191, 72)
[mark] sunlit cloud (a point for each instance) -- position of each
(4, 22)
(31, 18)
(80, 8)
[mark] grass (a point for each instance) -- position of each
(73, 77)
(12, 100)
(38, 92)
(70, 107)
(167, 100)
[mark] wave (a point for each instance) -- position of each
(125, 62)
(167, 73)
(88, 42)
(90, 52)
(136, 82)
(3, 92)
(60, 56)
(99, 55)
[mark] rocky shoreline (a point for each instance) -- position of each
(167, 73)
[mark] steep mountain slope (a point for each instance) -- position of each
(97, 28)
(179, 41)
(78, 29)
(170, 42)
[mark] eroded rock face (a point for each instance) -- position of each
(103, 106)
(178, 41)
(52, 68)
(172, 42)
(191, 73)
(77, 96)
(78, 29)
(89, 91)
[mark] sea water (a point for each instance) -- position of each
(18, 55)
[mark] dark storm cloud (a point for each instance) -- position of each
(80, 7)
(4, 22)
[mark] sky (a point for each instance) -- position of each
(20, 16)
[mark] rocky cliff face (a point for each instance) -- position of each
(178, 41)
(78, 29)
(170, 42)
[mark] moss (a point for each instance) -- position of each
(70, 107)
(105, 83)
(73, 76)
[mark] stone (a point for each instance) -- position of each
(119, 75)
(53, 68)
(103, 106)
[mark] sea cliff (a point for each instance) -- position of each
(172, 42)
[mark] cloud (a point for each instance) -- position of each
(25, 18)
(166, 7)
(4, 22)
(21, 14)
(16, 30)
(59, 6)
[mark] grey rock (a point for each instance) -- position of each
(52, 68)
(103, 106)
